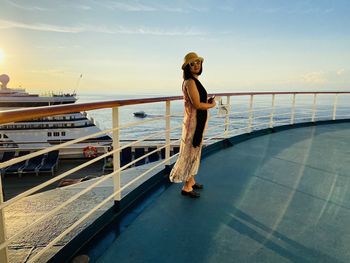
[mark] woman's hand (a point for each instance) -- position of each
(213, 103)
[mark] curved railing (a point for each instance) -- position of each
(236, 113)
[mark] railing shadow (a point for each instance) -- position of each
(245, 224)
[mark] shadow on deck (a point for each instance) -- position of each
(281, 197)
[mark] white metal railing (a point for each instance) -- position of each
(233, 122)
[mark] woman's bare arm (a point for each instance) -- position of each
(194, 96)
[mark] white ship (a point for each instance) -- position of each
(43, 132)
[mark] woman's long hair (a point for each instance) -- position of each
(187, 72)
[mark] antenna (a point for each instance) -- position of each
(78, 81)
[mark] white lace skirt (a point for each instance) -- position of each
(189, 158)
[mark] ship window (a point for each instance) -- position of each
(49, 134)
(5, 136)
(63, 133)
(56, 134)
(0, 136)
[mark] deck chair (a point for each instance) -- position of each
(108, 164)
(33, 165)
(6, 157)
(50, 163)
(125, 158)
(14, 169)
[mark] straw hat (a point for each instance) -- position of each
(190, 57)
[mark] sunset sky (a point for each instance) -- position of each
(137, 47)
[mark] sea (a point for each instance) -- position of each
(238, 113)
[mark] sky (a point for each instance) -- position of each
(137, 47)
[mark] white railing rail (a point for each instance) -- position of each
(233, 122)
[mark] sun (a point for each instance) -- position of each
(2, 55)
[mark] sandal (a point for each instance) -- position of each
(191, 194)
(197, 186)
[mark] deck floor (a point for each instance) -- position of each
(282, 197)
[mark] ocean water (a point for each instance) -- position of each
(238, 118)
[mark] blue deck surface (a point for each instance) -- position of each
(281, 197)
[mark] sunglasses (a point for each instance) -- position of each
(196, 62)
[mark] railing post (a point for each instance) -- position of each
(314, 108)
(167, 134)
(335, 106)
(250, 121)
(272, 110)
(292, 117)
(3, 252)
(227, 121)
(116, 155)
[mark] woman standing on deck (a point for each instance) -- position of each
(195, 119)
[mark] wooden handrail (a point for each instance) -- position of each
(10, 116)
(280, 93)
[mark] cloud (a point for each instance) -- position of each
(314, 78)
(315, 11)
(294, 10)
(83, 7)
(340, 72)
(124, 6)
(27, 8)
(40, 27)
(326, 77)
(159, 32)
(57, 47)
(135, 6)
(265, 7)
(271, 10)
(142, 30)
(127, 6)
(48, 71)
(41, 8)
(173, 9)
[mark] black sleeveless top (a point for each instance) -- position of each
(201, 115)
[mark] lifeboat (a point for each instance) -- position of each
(140, 114)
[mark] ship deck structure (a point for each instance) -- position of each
(275, 190)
